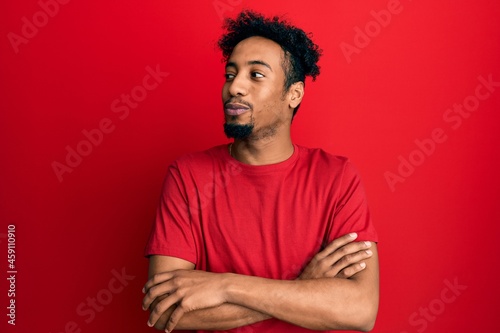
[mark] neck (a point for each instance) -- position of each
(269, 150)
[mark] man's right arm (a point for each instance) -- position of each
(224, 317)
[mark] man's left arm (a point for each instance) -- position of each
(319, 304)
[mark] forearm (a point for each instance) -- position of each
(320, 304)
(223, 317)
(221, 301)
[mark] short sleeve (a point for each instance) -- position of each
(351, 212)
(171, 234)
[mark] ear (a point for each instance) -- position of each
(295, 94)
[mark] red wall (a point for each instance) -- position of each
(404, 97)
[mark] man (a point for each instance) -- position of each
(259, 235)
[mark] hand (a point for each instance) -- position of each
(188, 289)
(341, 258)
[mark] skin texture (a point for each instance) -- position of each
(338, 289)
(342, 259)
(261, 87)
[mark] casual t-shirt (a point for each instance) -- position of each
(268, 221)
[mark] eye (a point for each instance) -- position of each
(229, 76)
(257, 75)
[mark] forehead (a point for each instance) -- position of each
(257, 48)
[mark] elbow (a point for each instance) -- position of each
(367, 326)
(361, 318)
(366, 311)
(360, 324)
(366, 320)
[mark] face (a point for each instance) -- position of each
(255, 106)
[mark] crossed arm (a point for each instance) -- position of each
(338, 289)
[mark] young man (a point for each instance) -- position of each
(259, 235)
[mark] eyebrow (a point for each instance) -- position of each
(251, 62)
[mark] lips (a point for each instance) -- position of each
(235, 109)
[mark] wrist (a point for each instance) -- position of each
(228, 287)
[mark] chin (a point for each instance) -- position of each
(238, 131)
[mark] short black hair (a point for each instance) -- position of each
(301, 53)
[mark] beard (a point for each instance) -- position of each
(238, 131)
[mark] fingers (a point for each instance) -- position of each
(351, 270)
(335, 245)
(343, 257)
(350, 264)
(154, 293)
(346, 253)
(156, 279)
(156, 286)
(174, 319)
(161, 307)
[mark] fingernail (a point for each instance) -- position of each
(353, 235)
(363, 265)
(143, 290)
(368, 252)
(368, 244)
(149, 324)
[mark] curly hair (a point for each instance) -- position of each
(301, 54)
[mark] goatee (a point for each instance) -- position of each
(238, 131)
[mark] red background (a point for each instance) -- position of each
(439, 225)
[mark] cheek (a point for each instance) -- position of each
(273, 105)
(225, 92)
(268, 93)
(267, 98)
(269, 112)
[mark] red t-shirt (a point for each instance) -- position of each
(268, 221)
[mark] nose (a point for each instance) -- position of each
(237, 86)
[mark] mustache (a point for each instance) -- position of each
(239, 101)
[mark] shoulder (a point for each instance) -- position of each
(321, 161)
(200, 159)
(320, 158)
(189, 168)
